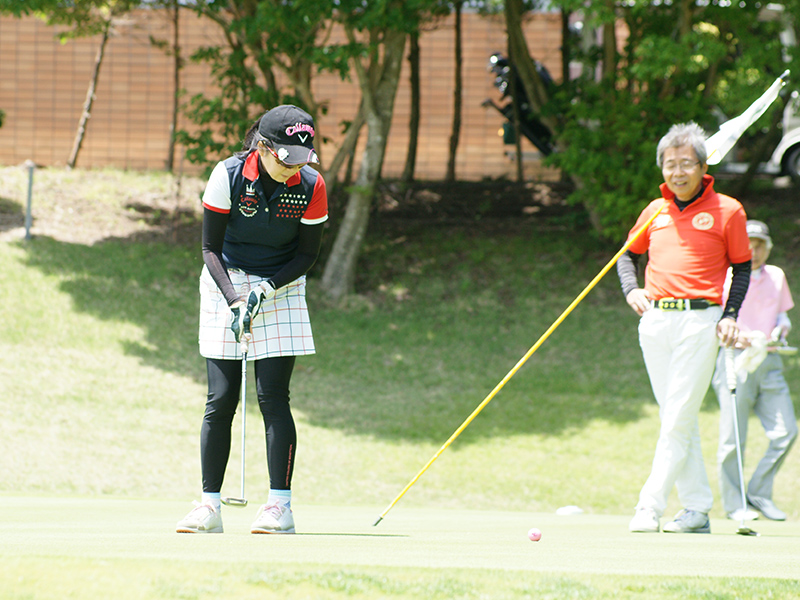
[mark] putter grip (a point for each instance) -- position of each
(730, 368)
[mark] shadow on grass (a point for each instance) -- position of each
(12, 215)
(410, 365)
(152, 285)
(397, 378)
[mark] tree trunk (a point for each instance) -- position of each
(379, 90)
(520, 57)
(338, 278)
(566, 45)
(346, 150)
(413, 125)
(176, 84)
(610, 51)
(457, 94)
(87, 105)
(516, 112)
(301, 76)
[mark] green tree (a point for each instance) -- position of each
(379, 30)
(262, 38)
(678, 62)
(293, 36)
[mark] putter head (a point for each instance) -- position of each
(234, 501)
(747, 531)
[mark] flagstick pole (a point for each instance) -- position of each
(524, 359)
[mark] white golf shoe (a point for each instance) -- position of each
(203, 518)
(273, 518)
(689, 521)
(644, 521)
(743, 514)
(767, 508)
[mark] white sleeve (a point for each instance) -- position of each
(217, 195)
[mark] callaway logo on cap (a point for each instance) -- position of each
(291, 132)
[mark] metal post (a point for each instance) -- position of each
(28, 215)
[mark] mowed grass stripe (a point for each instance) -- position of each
(92, 528)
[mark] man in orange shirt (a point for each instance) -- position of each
(696, 236)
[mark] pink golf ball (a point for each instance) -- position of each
(534, 534)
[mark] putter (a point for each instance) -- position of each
(730, 372)
(241, 501)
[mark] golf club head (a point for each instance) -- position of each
(747, 531)
(234, 501)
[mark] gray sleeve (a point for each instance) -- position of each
(627, 271)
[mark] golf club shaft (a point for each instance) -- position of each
(523, 360)
(244, 408)
(730, 372)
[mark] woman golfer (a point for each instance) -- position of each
(264, 211)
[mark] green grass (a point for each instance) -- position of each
(103, 392)
(418, 553)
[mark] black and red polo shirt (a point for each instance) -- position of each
(261, 236)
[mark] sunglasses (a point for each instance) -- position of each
(279, 161)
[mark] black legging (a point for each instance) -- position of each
(272, 388)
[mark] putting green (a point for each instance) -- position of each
(110, 528)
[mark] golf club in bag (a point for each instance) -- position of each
(241, 501)
(730, 372)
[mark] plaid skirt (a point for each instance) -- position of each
(281, 327)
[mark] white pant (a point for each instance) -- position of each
(679, 349)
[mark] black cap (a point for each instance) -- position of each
(290, 131)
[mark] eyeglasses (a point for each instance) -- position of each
(279, 161)
(684, 165)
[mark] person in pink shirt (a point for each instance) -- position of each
(760, 385)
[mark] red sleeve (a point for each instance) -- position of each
(317, 210)
(642, 243)
(736, 240)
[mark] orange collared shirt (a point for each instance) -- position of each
(689, 251)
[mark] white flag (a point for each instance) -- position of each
(719, 144)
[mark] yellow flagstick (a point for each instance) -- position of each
(522, 361)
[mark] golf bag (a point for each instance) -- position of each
(530, 126)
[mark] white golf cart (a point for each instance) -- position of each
(785, 160)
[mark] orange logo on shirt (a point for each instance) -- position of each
(703, 221)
